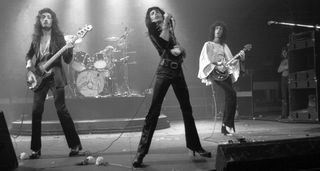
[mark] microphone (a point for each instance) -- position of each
(83, 162)
(271, 22)
(172, 22)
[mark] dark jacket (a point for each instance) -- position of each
(56, 44)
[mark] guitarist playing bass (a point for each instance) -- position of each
(218, 65)
(47, 41)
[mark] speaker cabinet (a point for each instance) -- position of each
(290, 154)
(8, 159)
(243, 88)
(304, 71)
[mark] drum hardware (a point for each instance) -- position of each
(105, 73)
(112, 39)
(90, 62)
(121, 82)
(123, 59)
(115, 51)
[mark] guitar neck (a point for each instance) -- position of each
(234, 58)
(54, 57)
(81, 33)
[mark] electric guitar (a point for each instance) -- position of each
(36, 75)
(227, 66)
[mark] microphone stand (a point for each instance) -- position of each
(316, 27)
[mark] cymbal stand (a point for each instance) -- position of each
(125, 63)
(72, 85)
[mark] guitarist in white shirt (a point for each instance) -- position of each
(47, 40)
(214, 52)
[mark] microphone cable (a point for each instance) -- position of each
(213, 112)
(130, 120)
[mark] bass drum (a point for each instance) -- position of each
(90, 83)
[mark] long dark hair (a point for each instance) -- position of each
(55, 30)
(148, 19)
(224, 32)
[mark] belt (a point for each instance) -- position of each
(170, 64)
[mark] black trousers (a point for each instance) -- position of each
(165, 78)
(63, 114)
(230, 101)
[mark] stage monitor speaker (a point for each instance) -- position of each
(8, 159)
(290, 154)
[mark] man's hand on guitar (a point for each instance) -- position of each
(242, 55)
(220, 68)
(70, 43)
(31, 79)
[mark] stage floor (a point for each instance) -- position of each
(167, 150)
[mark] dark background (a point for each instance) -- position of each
(246, 22)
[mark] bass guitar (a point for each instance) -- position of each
(223, 74)
(36, 75)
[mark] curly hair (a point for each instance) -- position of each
(55, 30)
(212, 31)
(148, 19)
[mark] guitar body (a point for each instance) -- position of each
(223, 75)
(36, 77)
(219, 75)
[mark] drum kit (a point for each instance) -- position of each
(103, 74)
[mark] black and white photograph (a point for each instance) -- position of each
(159, 85)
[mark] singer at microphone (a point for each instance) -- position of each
(169, 73)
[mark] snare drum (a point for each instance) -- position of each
(90, 83)
(100, 62)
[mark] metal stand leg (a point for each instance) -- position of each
(126, 79)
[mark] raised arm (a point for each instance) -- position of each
(165, 35)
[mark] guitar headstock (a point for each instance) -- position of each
(84, 30)
(247, 47)
(81, 33)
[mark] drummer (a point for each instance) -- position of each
(108, 51)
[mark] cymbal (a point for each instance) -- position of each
(132, 52)
(112, 39)
(69, 37)
(110, 49)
